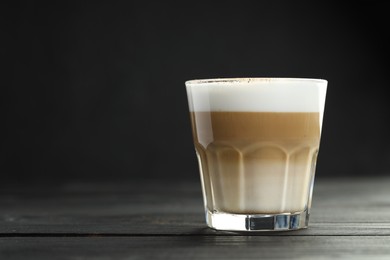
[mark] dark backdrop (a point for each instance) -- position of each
(96, 91)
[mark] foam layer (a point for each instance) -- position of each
(257, 95)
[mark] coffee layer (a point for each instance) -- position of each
(256, 162)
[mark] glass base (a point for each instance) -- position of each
(257, 222)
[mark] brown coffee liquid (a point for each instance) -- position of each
(256, 162)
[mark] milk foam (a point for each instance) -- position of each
(257, 95)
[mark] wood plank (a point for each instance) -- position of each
(365, 200)
(340, 207)
(164, 224)
(196, 247)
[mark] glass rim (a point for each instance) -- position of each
(247, 80)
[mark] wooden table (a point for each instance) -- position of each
(164, 220)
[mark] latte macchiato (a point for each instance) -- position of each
(257, 142)
(258, 162)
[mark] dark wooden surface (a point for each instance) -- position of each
(161, 220)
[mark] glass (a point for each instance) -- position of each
(257, 141)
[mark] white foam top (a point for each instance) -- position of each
(257, 94)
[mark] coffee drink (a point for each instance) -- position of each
(257, 142)
(258, 162)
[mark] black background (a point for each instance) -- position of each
(95, 91)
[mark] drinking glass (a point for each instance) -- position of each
(257, 141)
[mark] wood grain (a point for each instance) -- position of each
(350, 219)
(196, 247)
